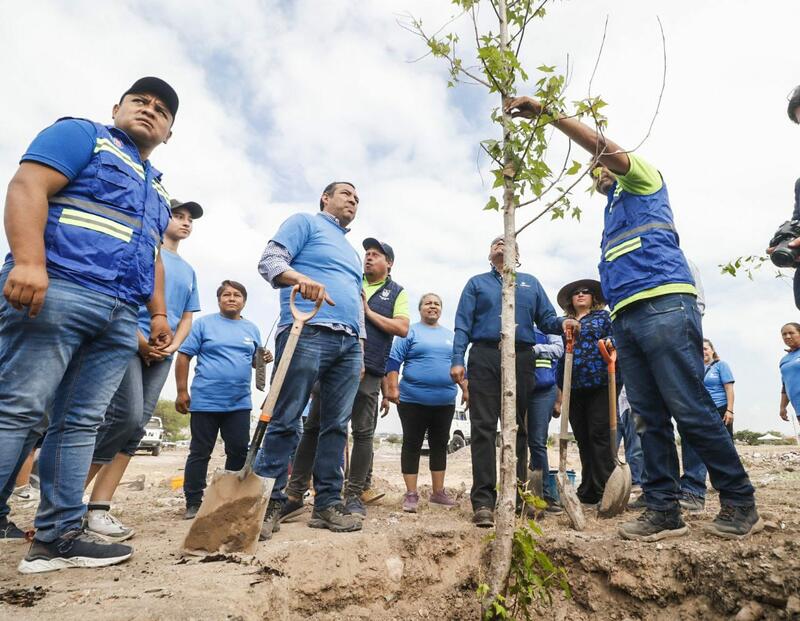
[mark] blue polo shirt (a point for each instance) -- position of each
(180, 290)
(717, 374)
(790, 374)
(478, 314)
(224, 349)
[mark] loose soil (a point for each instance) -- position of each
(421, 566)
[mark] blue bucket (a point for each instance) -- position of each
(550, 487)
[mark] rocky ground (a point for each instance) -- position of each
(422, 566)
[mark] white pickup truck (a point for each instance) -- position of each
(153, 437)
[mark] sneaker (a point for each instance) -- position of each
(191, 512)
(77, 548)
(553, 508)
(371, 495)
(654, 525)
(410, 502)
(441, 499)
(25, 493)
(291, 509)
(271, 522)
(639, 503)
(334, 518)
(692, 504)
(9, 532)
(483, 517)
(734, 522)
(355, 507)
(99, 521)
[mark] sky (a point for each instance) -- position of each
(278, 98)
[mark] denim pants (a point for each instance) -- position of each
(234, 427)
(73, 355)
(694, 470)
(30, 443)
(540, 409)
(130, 409)
(334, 359)
(626, 431)
(660, 343)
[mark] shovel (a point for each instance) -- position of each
(618, 487)
(234, 504)
(566, 492)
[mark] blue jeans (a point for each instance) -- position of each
(130, 409)
(626, 430)
(333, 359)
(73, 354)
(660, 343)
(694, 470)
(30, 443)
(540, 409)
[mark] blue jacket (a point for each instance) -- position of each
(641, 256)
(105, 227)
(549, 351)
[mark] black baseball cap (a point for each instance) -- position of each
(157, 87)
(382, 247)
(194, 209)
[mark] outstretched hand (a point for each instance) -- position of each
(525, 107)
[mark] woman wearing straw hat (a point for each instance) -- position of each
(588, 415)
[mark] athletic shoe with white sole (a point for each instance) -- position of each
(10, 532)
(99, 521)
(77, 548)
(25, 493)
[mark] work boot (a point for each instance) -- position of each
(371, 495)
(355, 507)
(291, 509)
(410, 502)
(99, 521)
(692, 503)
(733, 522)
(483, 517)
(654, 525)
(76, 548)
(639, 503)
(271, 522)
(553, 507)
(191, 512)
(9, 531)
(334, 518)
(441, 499)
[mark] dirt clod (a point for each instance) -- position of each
(24, 598)
(751, 611)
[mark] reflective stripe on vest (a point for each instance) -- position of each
(638, 231)
(97, 208)
(543, 363)
(623, 248)
(676, 287)
(106, 145)
(99, 224)
(160, 189)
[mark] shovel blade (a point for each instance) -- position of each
(570, 502)
(616, 493)
(230, 518)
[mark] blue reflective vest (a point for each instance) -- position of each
(640, 250)
(545, 371)
(105, 227)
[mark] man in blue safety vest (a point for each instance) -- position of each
(85, 214)
(651, 293)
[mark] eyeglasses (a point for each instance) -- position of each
(582, 291)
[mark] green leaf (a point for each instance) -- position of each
(492, 204)
(576, 166)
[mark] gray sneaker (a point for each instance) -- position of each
(639, 503)
(483, 517)
(291, 509)
(692, 503)
(335, 518)
(736, 522)
(271, 520)
(654, 526)
(355, 507)
(191, 512)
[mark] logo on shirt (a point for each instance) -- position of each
(524, 284)
(117, 141)
(248, 340)
(385, 294)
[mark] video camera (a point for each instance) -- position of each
(783, 255)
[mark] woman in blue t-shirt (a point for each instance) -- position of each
(790, 370)
(718, 380)
(425, 398)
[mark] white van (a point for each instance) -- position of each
(459, 431)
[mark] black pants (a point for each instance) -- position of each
(416, 420)
(588, 415)
(235, 430)
(484, 412)
(722, 410)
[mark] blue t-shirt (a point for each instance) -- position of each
(224, 349)
(180, 289)
(66, 146)
(790, 374)
(425, 355)
(716, 376)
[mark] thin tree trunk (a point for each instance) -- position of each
(500, 563)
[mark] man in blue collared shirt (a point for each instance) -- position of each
(311, 251)
(478, 322)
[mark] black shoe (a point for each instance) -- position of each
(654, 525)
(291, 509)
(271, 523)
(9, 531)
(355, 507)
(335, 518)
(483, 517)
(77, 548)
(639, 503)
(734, 522)
(191, 512)
(553, 507)
(692, 503)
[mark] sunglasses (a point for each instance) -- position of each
(582, 291)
